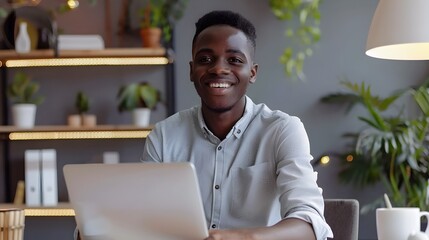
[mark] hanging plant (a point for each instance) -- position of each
(303, 32)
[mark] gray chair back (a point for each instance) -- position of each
(342, 215)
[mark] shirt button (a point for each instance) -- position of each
(238, 131)
(219, 148)
(217, 186)
(214, 226)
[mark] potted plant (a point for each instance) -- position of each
(82, 107)
(303, 33)
(392, 148)
(157, 20)
(140, 98)
(22, 93)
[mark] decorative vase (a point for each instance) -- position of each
(141, 117)
(22, 41)
(151, 37)
(24, 115)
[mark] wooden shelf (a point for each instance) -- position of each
(111, 56)
(109, 52)
(74, 133)
(60, 210)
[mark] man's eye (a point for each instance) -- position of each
(205, 59)
(235, 60)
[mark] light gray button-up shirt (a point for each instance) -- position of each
(259, 174)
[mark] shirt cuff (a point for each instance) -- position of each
(320, 227)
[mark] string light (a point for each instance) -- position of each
(324, 160)
(72, 4)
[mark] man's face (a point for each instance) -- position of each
(222, 67)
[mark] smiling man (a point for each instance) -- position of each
(253, 163)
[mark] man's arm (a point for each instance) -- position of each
(286, 229)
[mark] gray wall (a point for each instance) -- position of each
(340, 53)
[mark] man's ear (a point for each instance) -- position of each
(253, 72)
(191, 70)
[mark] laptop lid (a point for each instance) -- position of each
(136, 201)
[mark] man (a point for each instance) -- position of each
(253, 164)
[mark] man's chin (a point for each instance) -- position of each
(218, 109)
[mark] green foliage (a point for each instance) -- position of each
(391, 148)
(138, 95)
(23, 90)
(3, 13)
(82, 103)
(304, 33)
(163, 14)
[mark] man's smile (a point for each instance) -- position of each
(220, 85)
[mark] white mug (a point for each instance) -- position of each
(399, 223)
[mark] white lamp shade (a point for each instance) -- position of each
(400, 30)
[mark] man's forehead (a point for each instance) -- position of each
(221, 33)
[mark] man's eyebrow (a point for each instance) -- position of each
(235, 51)
(209, 50)
(203, 50)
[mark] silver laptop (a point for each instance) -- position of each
(136, 201)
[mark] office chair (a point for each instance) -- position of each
(343, 217)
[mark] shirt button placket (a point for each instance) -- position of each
(216, 191)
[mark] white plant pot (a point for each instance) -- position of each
(89, 120)
(74, 120)
(24, 115)
(141, 117)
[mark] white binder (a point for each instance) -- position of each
(49, 177)
(32, 178)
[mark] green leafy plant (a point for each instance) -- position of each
(392, 148)
(138, 95)
(304, 32)
(162, 14)
(82, 102)
(23, 90)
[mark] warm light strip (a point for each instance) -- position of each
(78, 135)
(49, 212)
(55, 62)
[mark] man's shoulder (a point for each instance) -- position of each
(261, 110)
(180, 118)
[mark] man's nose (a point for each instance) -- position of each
(220, 67)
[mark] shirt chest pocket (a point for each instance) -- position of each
(253, 190)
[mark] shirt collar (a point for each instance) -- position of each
(238, 128)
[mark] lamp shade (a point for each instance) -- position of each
(400, 30)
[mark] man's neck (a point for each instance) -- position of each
(221, 123)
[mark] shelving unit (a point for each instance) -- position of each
(76, 58)
(12, 133)
(61, 210)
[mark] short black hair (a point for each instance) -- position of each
(229, 18)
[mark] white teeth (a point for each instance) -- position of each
(220, 85)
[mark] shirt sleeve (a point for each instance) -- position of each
(152, 147)
(300, 196)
